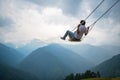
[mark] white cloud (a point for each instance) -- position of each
(105, 32)
(32, 21)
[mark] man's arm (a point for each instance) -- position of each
(78, 31)
(87, 29)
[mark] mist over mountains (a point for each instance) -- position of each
(55, 61)
(95, 54)
(29, 47)
(10, 56)
(110, 67)
(9, 60)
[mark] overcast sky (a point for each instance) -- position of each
(24, 20)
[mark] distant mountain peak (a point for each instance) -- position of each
(9, 55)
(54, 59)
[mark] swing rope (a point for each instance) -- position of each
(101, 15)
(91, 12)
(107, 11)
(92, 25)
(94, 10)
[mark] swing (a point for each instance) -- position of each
(92, 25)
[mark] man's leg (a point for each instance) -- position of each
(71, 35)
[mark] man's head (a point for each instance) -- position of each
(82, 22)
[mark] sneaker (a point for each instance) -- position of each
(62, 38)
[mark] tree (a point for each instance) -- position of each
(88, 74)
(70, 77)
(98, 74)
(77, 76)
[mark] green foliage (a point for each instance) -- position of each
(70, 77)
(102, 79)
(78, 76)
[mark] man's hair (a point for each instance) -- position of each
(82, 22)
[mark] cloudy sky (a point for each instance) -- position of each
(24, 20)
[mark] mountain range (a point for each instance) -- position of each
(10, 73)
(53, 62)
(95, 54)
(9, 59)
(110, 67)
(9, 55)
(28, 47)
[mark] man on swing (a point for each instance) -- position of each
(77, 35)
